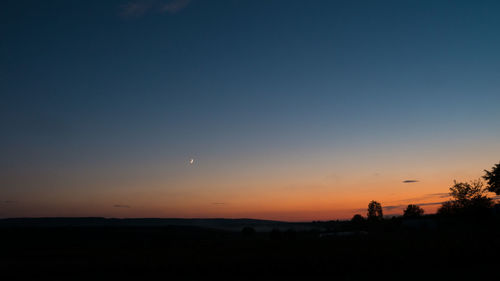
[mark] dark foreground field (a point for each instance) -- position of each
(452, 249)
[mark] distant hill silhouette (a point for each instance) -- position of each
(215, 223)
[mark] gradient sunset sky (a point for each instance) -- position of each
(292, 110)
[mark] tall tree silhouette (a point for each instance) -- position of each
(374, 211)
(468, 198)
(413, 211)
(465, 193)
(492, 179)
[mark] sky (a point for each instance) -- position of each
(290, 109)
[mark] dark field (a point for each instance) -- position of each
(453, 249)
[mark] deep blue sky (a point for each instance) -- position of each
(95, 91)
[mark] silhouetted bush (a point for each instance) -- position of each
(357, 219)
(248, 231)
(413, 211)
(358, 222)
(469, 199)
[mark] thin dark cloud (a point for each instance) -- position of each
(403, 206)
(139, 8)
(433, 196)
(410, 181)
(218, 203)
(424, 197)
(390, 208)
(440, 195)
(391, 215)
(430, 204)
(8, 202)
(121, 206)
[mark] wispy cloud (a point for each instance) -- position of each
(139, 8)
(175, 6)
(410, 181)
(218, 203)
(135, 9)
(121, 206)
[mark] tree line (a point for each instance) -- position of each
(468, 198)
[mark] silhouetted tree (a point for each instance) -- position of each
(492, 179)
(374, 211)
(466, 193)
(413, 211)
(357, 219)
(468, 198)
